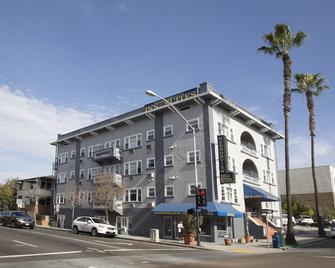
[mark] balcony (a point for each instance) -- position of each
(107, 156)
(116, 205)
(248, 150)
(108, 177)
(253, 180)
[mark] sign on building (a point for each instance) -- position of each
(225, 175)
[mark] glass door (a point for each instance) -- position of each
(167, 227)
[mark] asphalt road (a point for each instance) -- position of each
(50, 248)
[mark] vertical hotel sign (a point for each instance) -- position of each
(172, 99)
(225, 175)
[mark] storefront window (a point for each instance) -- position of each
(205, 226)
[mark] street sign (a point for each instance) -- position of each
(228, 177)
(267, 211)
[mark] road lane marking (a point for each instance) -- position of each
(96, 250)
(118, 243)
(26, 244)
(147, 249)
(40, 254)
(328, 257)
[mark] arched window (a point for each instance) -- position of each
(249, 169)
(248, 141)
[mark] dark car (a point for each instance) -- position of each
(17, 219)
(1, 216)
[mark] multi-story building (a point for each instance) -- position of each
(302, 187)
(151, 150)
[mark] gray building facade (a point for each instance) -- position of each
(150, 151)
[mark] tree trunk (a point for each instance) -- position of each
(310, 106)
(35, 210)
(290, 239)
(73, 206)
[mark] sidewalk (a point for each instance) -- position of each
(257, 247)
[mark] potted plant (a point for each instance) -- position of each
(189, 222)
(227, 241)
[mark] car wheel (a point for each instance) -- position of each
(31, 227)
(13, 225)
(75, 230)
(94, 232)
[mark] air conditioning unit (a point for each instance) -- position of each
(151, 204)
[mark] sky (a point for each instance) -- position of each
(66, 64)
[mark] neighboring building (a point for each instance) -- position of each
(302, 187)
(151, 150)
(44, 205)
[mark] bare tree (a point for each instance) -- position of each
(73, 196)
(35, 192)
(108, 191)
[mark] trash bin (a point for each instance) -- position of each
(154, 235)
(282, 240)
(276, 241)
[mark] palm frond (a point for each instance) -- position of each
(299, 38)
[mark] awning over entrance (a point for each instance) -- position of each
(255, 192)
(213, 208)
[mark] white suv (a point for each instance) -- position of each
(305, 220)
(93, 225)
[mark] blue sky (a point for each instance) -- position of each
(68, 63)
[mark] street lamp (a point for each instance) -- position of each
(153, 94)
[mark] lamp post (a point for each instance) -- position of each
(153, 94)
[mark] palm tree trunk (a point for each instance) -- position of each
(310, 106)
(290, 239)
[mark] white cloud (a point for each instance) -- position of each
(300, 152)
(27, 126)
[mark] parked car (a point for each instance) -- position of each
(284, 220)
(332, 230)
(1, 216)
(305, 220)
(94, 226)
(17, 219)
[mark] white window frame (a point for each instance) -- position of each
(138, 195)
(93, 148)
(61, 177)
(198, 156)
(112, 144)
(62, 158)
(190, 188)
(165, 191)
(91, 172)
(166, 156)
(164, 132)
(148, 134)
(127, 170)
(229, 194)
(148, 159)
(82, 171)
(148, 192)
(60, 198)
(138, 141)
(82, 152)
(188, 129)
(73, 154)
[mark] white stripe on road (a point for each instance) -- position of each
(26, 244)
(40, 254)
(148, 249)
(113, 243)
(328, 257)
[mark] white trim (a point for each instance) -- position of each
(165, 191)
(148, 159)
(137, 189)
(151, 187)
(148, 131)
(80, 172)
(189, 121)
(138, 141)
(168, 155)
(164, 129)
(189, 188)
(192, 152)
(137, 167)
(91, 149)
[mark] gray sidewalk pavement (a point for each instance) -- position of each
(261, 246)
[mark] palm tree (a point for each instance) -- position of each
(312, 85)
(279, 44)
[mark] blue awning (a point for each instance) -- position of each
(255, 192)
(214, 208)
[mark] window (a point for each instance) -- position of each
(133, 167)
(133, 141)
(82, 173)
(112, 144)
(61, 177)
(62, 158)
(151, 192)
(151, 162)
(194, 123)
(268, 178)
(89, 197)
(72, 174)
(235, 196)
(73, 154)
(231, 164)
(191, 189)
(91, 172)
(168, 130)
(133, 195)
(60, 198)
(169, 191)
(92, 149)
(82, 152)
(223, 193)
(229, 194)
(150, 135)
(190, 156)
(168, 160)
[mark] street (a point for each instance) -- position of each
(51, 248)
